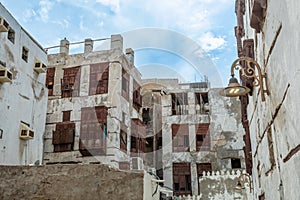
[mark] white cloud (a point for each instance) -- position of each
(28, 14)
(209, 42)
(45, 7)
(113, 4)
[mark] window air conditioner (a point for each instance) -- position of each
(137, 163)
(25, 133)
(40, 67)
(3, 25)
(5, 75)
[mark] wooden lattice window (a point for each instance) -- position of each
(125, 84)
(202, 137)
(137, 98)
(138, 135)
(50, 80)
(93, 131)
(180, 137)
(182, 179)
(63, 137)
(99, 74)
(70, 84)
(201, 167)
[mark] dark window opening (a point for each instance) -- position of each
(146, 115)
(133, 142)
(50, 80)
(123, 141)
(11, 35)
(138, 137)
(201, 103)
(25, 54)
(235, 163)
(179, 104)
(159, 143)
(200, 138)
(137, 98)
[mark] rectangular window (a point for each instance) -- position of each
(202, 137)
(235, 163)
(11, 35)
(99, 74)
(201, 103)
(138, 137)
(50, 80)
(137, 98)
(182, 179)
(70, 84)
(63, 137)
(180, 136)
(93, 131)
(125, 84)
(179, 103)
(66, 116)
(25, 54)
(123, 141)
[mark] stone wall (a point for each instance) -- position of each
(273, 122)
(69, 182)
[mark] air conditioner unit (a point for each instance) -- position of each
(25, 133)
(40, 67)
(206, 107)
(5, 75)
(3, 25)
(137, 163)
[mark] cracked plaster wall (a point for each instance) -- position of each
(276, 50)
(24, 99)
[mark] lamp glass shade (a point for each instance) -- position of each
(234, 89)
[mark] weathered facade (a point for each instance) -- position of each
(93, 107)
(271, 37)
(23, 94)
(200, 131)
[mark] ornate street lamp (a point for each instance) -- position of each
(234, 89)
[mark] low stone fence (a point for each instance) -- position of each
(93, 181)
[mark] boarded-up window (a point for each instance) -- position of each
(180, 137)
(66, 116)
(137, 98)
(50, 80)
(179, 103)
(99, 74)
(63, 137)
(202, 137)
(182, 179)
(70, 84)
(93, 131)
(138, 135)
(125, 84)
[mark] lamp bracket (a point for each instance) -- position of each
(248, 68)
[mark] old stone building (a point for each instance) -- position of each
(94, 106)
(267, 31)
(196, 130)
(23, 95)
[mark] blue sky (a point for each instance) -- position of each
(205, 25)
